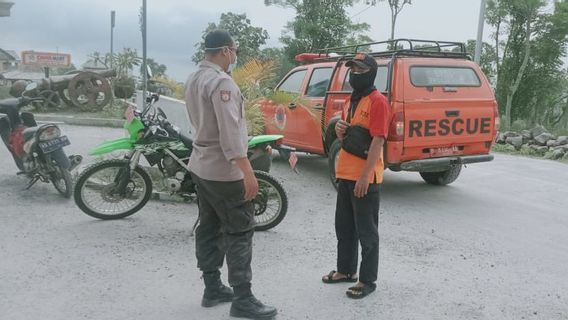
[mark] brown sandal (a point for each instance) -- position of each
(360, 292)
(328, 278)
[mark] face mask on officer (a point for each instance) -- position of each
(232, 64)
(361, 79)
(229, 51)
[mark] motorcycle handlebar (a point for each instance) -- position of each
(24, 101)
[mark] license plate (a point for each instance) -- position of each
(54, 144)
(444, 151)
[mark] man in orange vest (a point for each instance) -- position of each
(359, 177)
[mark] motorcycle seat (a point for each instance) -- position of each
(29, 133)
(10, 103)
(186, 141)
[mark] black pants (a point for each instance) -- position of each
(225, 228)
(357, 220)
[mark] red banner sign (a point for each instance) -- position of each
(48, 59)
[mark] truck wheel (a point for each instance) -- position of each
(442, 178)
(332, 159)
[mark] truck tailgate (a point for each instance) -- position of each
(447, 122)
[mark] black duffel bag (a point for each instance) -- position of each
(357, 141)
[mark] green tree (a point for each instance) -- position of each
(125, 62)
(158, 69)
(544, 85)
(521, 18)
(487, 58)
(530, 44)
(282, 65)
(100, 59)
(318, 24)
(250, 38)
(396, 7)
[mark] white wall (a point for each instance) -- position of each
(175, 111)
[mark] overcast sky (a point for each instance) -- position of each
(80, 27)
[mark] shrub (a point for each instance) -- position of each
(124, 87)
(519, 125)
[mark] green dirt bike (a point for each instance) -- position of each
(118, 188)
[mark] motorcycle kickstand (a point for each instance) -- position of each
(32, 182)
(194, 227)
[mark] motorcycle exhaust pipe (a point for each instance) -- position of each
(75, 160)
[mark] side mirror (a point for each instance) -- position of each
(31, 86)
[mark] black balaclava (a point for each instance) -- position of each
(363, 84)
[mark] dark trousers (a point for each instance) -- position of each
(357, 220)
(225, 229)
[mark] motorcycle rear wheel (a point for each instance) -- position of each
(271, 202)
(62, 181)
(100, 199)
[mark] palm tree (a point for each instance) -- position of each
(126, 61)
(250, 78)
(124, 86)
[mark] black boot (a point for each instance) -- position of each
(245, 305)
(215, 291)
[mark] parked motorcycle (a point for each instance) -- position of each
(118, 188)
(37, 150)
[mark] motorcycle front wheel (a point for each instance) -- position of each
(97, 194)
(271, 202)
(62, 181)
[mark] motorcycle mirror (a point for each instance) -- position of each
(31, 86)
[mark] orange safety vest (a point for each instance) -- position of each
(350, 167)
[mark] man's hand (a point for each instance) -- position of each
(340, 128)
(251, 186)
(361, 186)
(375, 153)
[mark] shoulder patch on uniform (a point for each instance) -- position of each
(225, 95)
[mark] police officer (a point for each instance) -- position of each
(357, 208)
(225, 181)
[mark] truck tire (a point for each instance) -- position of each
(331, 160)
(442, 178)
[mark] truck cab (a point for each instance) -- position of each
(443, 111)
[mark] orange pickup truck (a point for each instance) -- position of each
(444, 113)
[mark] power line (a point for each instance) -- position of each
(358, 13)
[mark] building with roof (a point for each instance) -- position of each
(5, 8)
(9, 60)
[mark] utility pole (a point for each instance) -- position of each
(144, 70)
(112, 18)
(479, 42)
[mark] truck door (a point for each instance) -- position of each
(280, 117)
(309, 120)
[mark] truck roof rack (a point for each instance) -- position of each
(396, 47)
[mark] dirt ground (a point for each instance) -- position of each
(493, 245)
